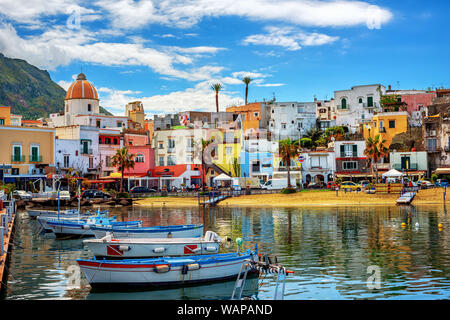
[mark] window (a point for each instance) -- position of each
(255, 166)
(189, 158)
(283, 126)
(89, 107)
(108, 161)
(17, 153)
(91, 163)
(2, 122)
(370, 101)
(344, 103)
(139, 157)
(300, 110)
(161, 160)
(171, 161)
(171, 145)
(432, 143)
(85, 145)
(391, 124)
(360, 100)
(98, 123)
(15, 171)
(256, 114)
(66, 161)
(119, 124)
(349, 150)
(349, 165)
(34, 154)
(229, 151)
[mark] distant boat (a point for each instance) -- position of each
(153, 247)
(82, 228)
(174, 231)
(173, 271)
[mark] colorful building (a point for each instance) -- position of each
(5, 116)
(387, 125)
(29, 151)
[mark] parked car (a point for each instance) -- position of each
(350, 185)
(22, 195)
(316, 185)
(441, 182)
(64, 195)
(425, 184)
(236, 187)
(141, 190)
(364, 183)
(92, 194)
(331, 185)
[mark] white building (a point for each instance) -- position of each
(356, 106)
(290, 119)
(318, 166)
(326, 113)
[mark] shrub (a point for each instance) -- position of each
(122, 195)
(288, 191)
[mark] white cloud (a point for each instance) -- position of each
(200, 98)
(289, 38)
(60, 46)
(184, 14)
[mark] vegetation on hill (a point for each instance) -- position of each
(28, 90)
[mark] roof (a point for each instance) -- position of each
(81, 89)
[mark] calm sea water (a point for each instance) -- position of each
(330, 250)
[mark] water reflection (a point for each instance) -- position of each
(329, 249)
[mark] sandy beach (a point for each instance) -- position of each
(303, 199)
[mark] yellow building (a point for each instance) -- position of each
(5, 116)
(386, 124)
(228, 151)
(30, 151)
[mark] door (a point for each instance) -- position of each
(406, 161)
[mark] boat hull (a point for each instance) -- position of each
(143, 272)
(69, 228)
(186, 231)
(146, 248)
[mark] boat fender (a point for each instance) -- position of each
(162, 268)
(193, 266)
(159, 250)
(211, 248)
(86, 226)
(124, 248)
(107, 238)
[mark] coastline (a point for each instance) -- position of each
(303, 199)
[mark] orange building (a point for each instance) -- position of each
(251, 115)
(5, 116)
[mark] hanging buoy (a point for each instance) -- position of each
(403, 224)
(440, 226)
(417, 224)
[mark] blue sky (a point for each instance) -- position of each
(168, 52)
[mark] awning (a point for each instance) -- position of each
(442, 171)
(222, 177)
(393, 173)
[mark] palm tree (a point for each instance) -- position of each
(247, 81)
(122, 160)
(288, 150)
(217, 87)
(314, 134)
(375, 150)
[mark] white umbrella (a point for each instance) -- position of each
(393, 174)
(222, 177)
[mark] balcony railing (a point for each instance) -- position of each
(16, 158)
(171, 150)
(86, 151)
(349, 154)
(35, 158)
(347, 107)
(399, 167)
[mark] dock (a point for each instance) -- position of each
(214, 197)
(7, 223)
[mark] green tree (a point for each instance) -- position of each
(288, 150)
(375, 150)
(122, 160)
(247, 81)
(217, 87)
(314, 134)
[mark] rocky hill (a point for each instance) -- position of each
(28, 90)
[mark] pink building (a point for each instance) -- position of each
(416, 101)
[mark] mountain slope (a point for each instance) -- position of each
(28, 90)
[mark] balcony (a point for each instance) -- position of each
(349, 154)
(347, 108)
(16, 158)
(412, 166)
(434, 150)
(171, 150)
(35, 158)
(86, 151)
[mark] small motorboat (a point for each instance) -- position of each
(82, 227)
(170, 271)
(153, 247)
(173, 231)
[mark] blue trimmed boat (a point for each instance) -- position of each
(170, 271)
(173, 231)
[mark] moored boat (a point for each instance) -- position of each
(170, 271)
(82, 228)
(153, 247)
(173, 231)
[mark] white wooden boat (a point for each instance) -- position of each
(34, 213)
(153, 247)
(82, 228)
(173, 231)
(173, 271)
